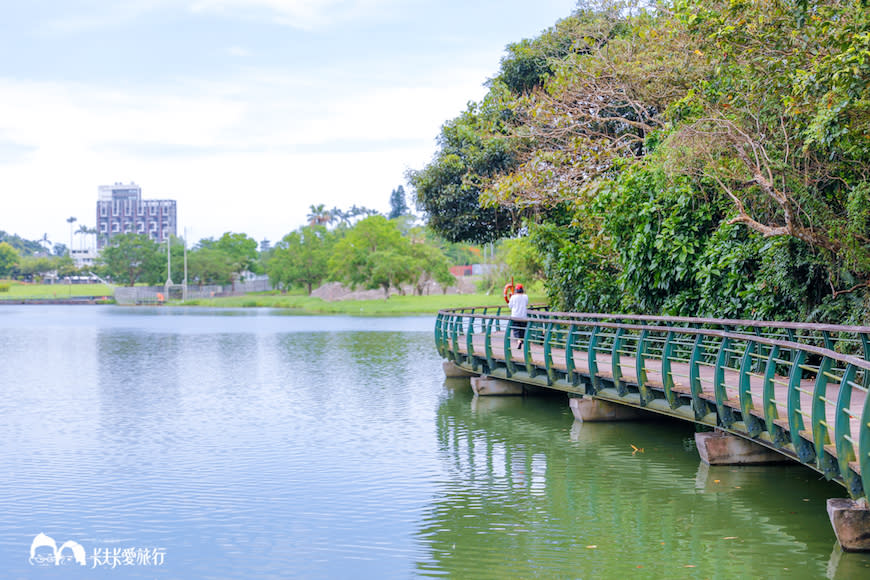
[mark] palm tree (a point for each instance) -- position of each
(85, 231)
(319, 215)
(70, 220)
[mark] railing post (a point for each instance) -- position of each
(527, 353)
(667, 377)
(454, 336)
(821, 429)
(438, 334)
(843, 433)
(753, 424)
(640, 368)
(795, 418)
(769, 398)
(569, 356)
(592, 361)
(865, 343)
(548, 355)
(864, 439)
(726, 416)
(469, 344)
(510, 367)
(616, 369)
(698, 404)
(490, 360)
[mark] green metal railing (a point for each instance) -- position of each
(800, 389)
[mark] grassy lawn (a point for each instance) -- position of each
(19, 290)
(395, 305)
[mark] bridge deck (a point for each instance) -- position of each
(680, 373)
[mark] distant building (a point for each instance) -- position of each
(121, 210)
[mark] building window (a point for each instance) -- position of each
(115, 227)
(140, 209)
(153, 209)
(114, 208)
(140, 227)
(103, 210)
(153, 226)
(103, 227)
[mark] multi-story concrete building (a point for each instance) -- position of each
(121, 210)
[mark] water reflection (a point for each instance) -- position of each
(250, 444)
(531, 490)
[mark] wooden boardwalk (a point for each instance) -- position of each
(801, 399)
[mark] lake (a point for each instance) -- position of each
(206, 443)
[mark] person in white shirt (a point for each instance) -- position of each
(519, 305)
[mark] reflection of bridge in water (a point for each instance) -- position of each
(525, 477)
(799, 390)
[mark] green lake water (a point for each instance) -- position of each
(257, 444)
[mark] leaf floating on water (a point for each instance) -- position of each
(715, 481)
(592, 547)
(689, 566)
(636, 449)
(730, 538)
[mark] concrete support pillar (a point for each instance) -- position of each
(488, 386)
(452, 371)
(719, 448)
(589, 409)
(851, 522)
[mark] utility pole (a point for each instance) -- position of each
(184, 287)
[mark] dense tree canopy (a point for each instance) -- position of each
(9, 259)
(301, 258)
(132, 258)
(697, 158)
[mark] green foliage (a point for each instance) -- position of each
(522, 259)
(372, 254)
(301, 258)
(581, 275)
(209, 265)
(431, 264)
(398, 205)
(24, 247)
(4, 287)
(132, 258)
(241, 249)
(472, 150)
(660, 229)
(9, 259)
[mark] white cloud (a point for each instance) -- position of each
(239, 51)
(249, 154)
(303, 14)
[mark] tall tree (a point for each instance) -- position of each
(9, 259)
(132, 258)
(241, 250)
(209, 265)
(71, 220)
(398, 205)
(301, 258)
(318, 215)
(373, 254)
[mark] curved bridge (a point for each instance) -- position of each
(799, 389)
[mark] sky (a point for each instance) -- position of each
(246, 112)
